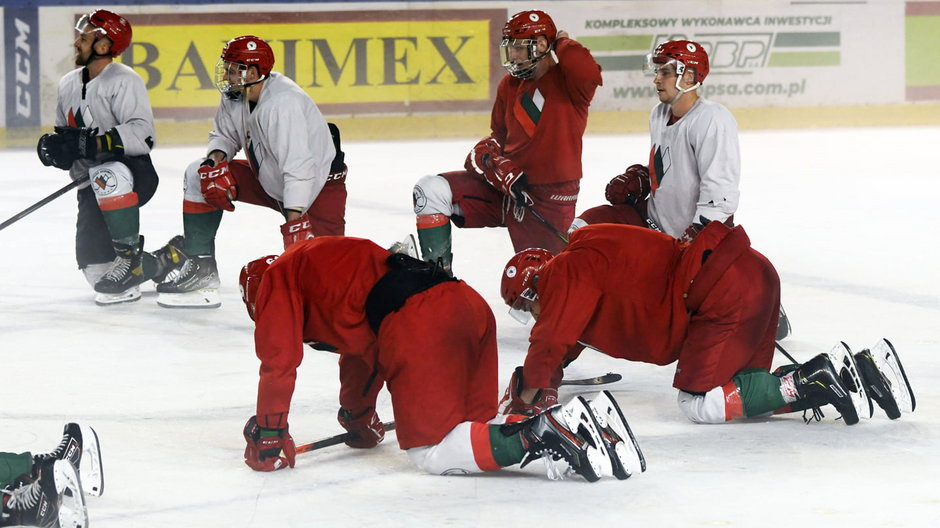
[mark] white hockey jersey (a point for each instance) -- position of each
(697, 162)
(115, 98)
(287, 141)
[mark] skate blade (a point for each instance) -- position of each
(626, 449)
(93, 472)
(579, 418)
(72, 510)
(844, 361)
(407, 246)
(204, 298)
(126, 296)
(888, 362)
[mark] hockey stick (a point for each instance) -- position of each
(610, 377)
(535, 214)
(785, 353)
(73, 184)
(338, 439)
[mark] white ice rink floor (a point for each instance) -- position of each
(849, 217)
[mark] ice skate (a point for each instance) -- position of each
(625, 455)
(567, 432)
(79, 443)
(885, 379)
(196, 286)
(120, 283)
(169, 259)
(408, 246)
(844, 362)
(54, 500)
(819, 382)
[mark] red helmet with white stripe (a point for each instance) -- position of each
(111, 25)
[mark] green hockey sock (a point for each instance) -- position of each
(507, 450)
(199, 230)
(760, 391)
(123, 224)
(435, 242)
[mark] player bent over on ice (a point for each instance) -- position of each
(294, 165)
(380, 312)
(709, 305)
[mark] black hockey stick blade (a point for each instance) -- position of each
(13, 219)
(610, 377)
(338, 439)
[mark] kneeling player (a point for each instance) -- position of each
(711, 305)
(382, 313)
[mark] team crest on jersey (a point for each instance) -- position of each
(511, 272)
(105, 182)
(419, 199)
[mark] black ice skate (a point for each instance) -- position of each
(169, 259)
(626, 458)
(564, 432)
(196, 286)
(885, 379)
(54, 500)
(122, 280)
(818, 380)
(79, 442)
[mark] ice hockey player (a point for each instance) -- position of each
(380, 312)
(104, 133)
(530, 164)
(46, 490)
(711, 306)
(694, 160)
(294, 165)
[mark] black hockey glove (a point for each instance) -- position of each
(52, 152)
(82, 143)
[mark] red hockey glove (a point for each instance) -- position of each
(365, 424)
(486, 160)
(630, 187)
(217, 184)
(513, 404)
(265, 445)
(297, 230)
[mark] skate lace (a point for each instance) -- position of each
(24, 497)
(188, 269)
(119, 268)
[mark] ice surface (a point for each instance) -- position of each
(849, 218)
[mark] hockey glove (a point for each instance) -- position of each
(297, 230)
(52, 152)
(366, 425)
(217, 184)
(630, 187)
(487, 161)
(265, 446)
(513, 404)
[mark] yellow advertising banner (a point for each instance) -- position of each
(349, 62)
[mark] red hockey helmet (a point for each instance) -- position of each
(111, 25)
(521, 32)
(250, 51)
(685, 54)
(519, 277)
(249, 281)
(529, 25)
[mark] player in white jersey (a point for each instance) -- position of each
(694, 163)
(294, 165)
(104, 133)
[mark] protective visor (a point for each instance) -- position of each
(84, 24)
(520, 307)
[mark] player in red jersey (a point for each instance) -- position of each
(380, 312)
(711, 305)
(531, 163)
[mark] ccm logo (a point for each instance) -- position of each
(215, 173)
(304, 226)
(21, 61)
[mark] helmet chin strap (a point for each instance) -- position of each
(683, 92)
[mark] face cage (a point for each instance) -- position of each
(231, 90)
(520, 307)
(526, 69)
